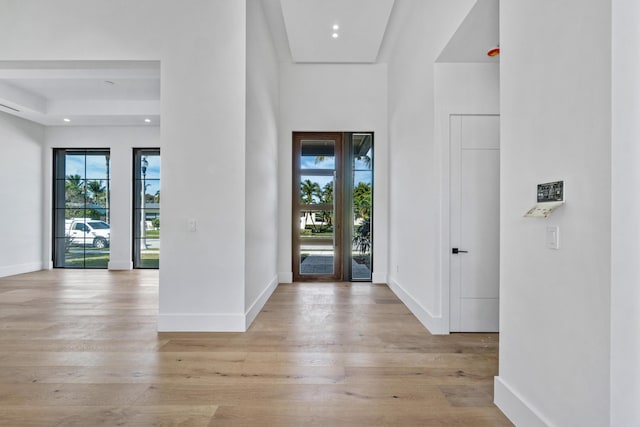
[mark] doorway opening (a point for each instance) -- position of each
(332, 206)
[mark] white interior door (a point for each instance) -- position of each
(475, 223)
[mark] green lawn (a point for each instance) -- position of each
(80, 260)
(91, 258)
(99, 258)
(150, 260)
(153, 234)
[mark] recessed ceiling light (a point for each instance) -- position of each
(66, 120)
(336, 27)
(147, 120)
(334, 35)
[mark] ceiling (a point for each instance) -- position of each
(479, 32)
(335, 31)
(127, 93)
(82, 93)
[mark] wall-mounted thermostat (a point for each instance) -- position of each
(551, 192)
(550, 196)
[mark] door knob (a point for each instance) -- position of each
(458, 251)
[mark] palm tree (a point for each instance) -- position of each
(362, 200)
(326, 196)
(308, 191)
(362, 149)
(74, 196)
(365, 159)
(97, 190)
(74, 182)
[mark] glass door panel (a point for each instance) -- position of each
(316, 240)
(317, 243)
(361, 192)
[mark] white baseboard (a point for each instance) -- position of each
(120, 265)
(515, 407)
(379, 277)
(206, 322)
(12, 270)
(201, 322)
(257, 305)
(285, 277)
(435, 324)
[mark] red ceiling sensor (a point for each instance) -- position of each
(494, 51)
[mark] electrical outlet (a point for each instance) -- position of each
(191, 225)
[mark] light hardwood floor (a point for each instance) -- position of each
(80, 348)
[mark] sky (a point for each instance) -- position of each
(361, 174)
(96, 169)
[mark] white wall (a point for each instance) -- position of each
(121, 141)
(261, 193)
(460, 88)
(202, 48)
(556, 124)
(21, 191)
(625, 243)
(415, 158)
(342, 98)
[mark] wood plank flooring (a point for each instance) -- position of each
(80, 348)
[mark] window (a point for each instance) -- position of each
(146, 208)
(81, 191)
(361, 201)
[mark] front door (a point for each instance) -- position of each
(475, 223)
(317, 196)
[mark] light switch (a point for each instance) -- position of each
(191, 225)
(553, 237)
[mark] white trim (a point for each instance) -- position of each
(285, 277)
(12, 270)
(201, 322)
(120, 265)
(379, 277)
(262, 299)
(209, 322)
(515, 407)
(47, 206)
(437, 325)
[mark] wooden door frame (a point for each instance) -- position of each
(297, 138)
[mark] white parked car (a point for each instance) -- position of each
(85, 231)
